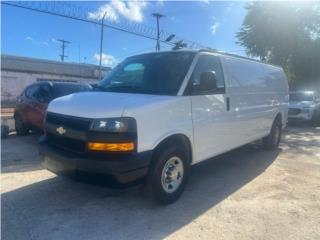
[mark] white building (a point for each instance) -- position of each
(18, 72)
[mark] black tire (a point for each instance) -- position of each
(163, 157)
(21, 128)
(4, 131)
(272, 141)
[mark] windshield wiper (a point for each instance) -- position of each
(123, 88)
(97, 87)
(130, 88)
(116, 86)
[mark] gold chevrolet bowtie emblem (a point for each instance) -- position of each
(61, 130)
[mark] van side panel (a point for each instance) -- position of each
(276, 81)
(257, 93)
(166, 117)
(284, 95)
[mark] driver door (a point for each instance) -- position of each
(210, 113)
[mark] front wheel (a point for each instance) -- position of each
(272, 141)
(168, 174)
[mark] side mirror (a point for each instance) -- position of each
(207, 82)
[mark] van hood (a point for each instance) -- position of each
(99, 104)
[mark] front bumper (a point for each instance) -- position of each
(123, 167)
(300, 117)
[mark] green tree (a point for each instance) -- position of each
(286, 34)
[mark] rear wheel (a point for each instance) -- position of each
(272, 141)
(168, 174)
(21, 128)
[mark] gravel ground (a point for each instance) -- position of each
(245, 194)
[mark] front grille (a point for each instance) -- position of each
(294, 111)
(76, 123)
(65, 143)
(67, 122)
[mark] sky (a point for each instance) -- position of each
(33, 34)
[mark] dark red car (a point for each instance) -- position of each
(33, 102)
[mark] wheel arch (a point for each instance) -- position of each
(177, 138)
(278, 117)
(17, 113)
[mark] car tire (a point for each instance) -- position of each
(168, 174)
(21, 128)
(272, 141)
(4, 131)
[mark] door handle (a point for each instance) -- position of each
(228, 103)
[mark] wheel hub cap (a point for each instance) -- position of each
(172, 174)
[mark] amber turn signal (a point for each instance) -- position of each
(111, 147)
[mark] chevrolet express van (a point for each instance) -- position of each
(156, 114)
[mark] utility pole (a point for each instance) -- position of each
(158, 16)
(63, 46)
(101, 45)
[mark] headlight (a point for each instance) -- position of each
(122, 124)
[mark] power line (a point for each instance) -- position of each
(63, 46)
(71, 11)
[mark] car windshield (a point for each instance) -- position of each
(154, 73)
(298, 97)
(60, 90)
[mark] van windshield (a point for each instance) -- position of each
(154, 73)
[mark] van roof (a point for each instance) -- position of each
(214, 51)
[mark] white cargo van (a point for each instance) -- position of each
(157, 114)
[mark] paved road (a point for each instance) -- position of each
(245, 194)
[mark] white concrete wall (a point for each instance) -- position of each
(13, 83)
